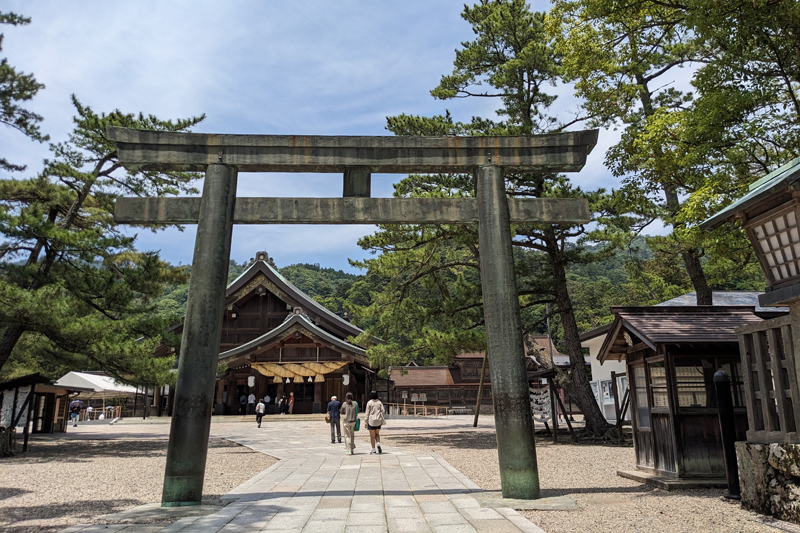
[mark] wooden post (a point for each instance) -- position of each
(563, 411)
(480, 390)
(28, 420)
(553, 409)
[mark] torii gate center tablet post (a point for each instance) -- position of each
(222, 157)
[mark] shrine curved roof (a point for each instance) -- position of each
(303, 321)
(305, 301)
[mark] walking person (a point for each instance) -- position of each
(260, 410)
(375, 419)
(267, 399)
(282, 405)
(75, 411)
(334, 407)
(291, 402)
(349, 415)
(251, 404)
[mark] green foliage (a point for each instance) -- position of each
(430, 306)
(73, 289)
(15, 88)
(683, 155)
(325, 285)
(510, 59)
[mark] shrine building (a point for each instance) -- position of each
(277, 340)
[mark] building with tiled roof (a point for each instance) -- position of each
(456, 385)
(276, 341)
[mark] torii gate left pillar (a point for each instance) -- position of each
(194, 403)
(223, 156)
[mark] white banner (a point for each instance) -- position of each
(540, 403)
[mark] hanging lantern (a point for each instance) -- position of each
(251, 381)
(346, 379)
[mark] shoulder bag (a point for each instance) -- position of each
(358, 420)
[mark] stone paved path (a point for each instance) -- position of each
(315, 487)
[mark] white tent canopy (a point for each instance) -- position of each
(103, 386)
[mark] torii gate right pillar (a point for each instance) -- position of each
(516, 449)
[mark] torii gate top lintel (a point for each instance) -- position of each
(157, 150)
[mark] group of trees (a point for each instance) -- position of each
(703, 92)
(684, 151)
(74, 291)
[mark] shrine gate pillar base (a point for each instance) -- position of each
(516, 450)
(197, 369)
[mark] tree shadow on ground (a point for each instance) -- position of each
(486, 440)
(642, 490)
(474, 441)
(80, 451)
(76, 510)
(10, 492)
(551, 492)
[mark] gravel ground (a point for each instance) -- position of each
(59, 483)
(587, 474)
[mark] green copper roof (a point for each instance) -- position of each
(776, 181)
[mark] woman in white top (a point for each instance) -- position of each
(375, 419)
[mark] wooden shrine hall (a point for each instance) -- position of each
(672, 353)
(277, 340)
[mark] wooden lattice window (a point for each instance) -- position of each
(777, 239)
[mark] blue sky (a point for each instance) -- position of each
(312, 67)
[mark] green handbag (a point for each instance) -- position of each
(358, 420)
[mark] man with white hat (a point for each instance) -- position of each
(333, 415)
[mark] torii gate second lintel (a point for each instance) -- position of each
(223, 156)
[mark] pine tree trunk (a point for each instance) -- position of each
(691, 260)
(576, 381)
(698, 277)
(7, 342)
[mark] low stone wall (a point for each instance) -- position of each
(769, 475)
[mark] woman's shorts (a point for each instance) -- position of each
(370, 427)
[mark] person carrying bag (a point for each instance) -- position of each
(349, 416)
(375, 420)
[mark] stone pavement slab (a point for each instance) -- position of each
(315, 487)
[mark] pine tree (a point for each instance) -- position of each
(17, 87)
(433, 289)
(69, 279)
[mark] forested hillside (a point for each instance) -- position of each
(326, 285)
(634, 275)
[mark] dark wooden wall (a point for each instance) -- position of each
(255, 316)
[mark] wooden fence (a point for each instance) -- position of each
(414, 410)
(769, 350)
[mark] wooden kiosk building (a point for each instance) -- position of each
(671, 354)
(277, 340)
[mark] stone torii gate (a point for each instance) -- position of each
(222, 157)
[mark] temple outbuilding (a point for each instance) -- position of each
(671, 353)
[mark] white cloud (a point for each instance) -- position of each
(313, 67)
